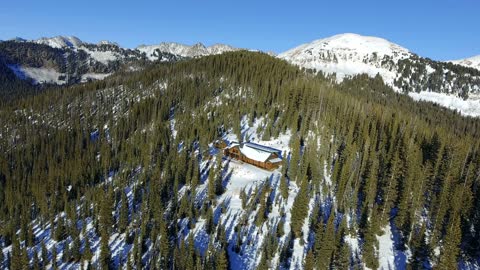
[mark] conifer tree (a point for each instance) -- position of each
(123, 218)
(300, 208)
(44, 255)
(327, 245)
(54, 257)
(284, 187)
(263, 264)
(221, 260)
(87, 250)
(60, 232)
(309, 261)
(1, 256)
(211, 184)
(16, 262)
(164, 246)
(35, 263)
(451, 247)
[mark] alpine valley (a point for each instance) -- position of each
(348, 152)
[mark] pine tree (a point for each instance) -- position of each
(129, 262)
(25, 261)
(54, 257)
(75, 250)
(218, 175)
(211, 184)
(35, 263)
(106, 209)
(123, 218)
(221, 260)
(451, 247)
(243, 198)
(327, 245)
(30, 235)
(263, 264)
(420, 250)
(87, 251)
(309, 261)
(164, 246)
(104, 260)
(300, 208)
(370, 247)
(44, 255)
(342, 258)
(1, 256)
(294, 159)
(16, 259)
(60, 232)
(284, 187)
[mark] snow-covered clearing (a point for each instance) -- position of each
(94, 76)
(469, 107)
(39, 75)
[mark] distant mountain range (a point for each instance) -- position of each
(67, 60)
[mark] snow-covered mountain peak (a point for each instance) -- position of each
(364, 44)
(220, 48)
(107, 42)
(472, 62)
(18, 39)
(349, 54)
(60, 42)
(195, 50)
(348, 46)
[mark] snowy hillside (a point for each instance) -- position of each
(348, 54)
(60, 42)
(472, 62)
(77, 61)
(352, 54)
(39, 75)
(183, 50)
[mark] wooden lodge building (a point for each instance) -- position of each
(255, 154)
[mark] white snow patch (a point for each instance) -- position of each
(94, 76)
(38, 75)
(472, 62)
(469, 107)
(103, 57)
(386, 254)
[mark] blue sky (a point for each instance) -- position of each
(439, 29)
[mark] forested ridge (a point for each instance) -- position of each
(129, 156)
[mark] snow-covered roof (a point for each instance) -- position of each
(263, 148)
(255, 154)
(275, 160)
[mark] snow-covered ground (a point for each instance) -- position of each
(183, 50)
(469, 107)
(103, 56)
(386, 256)
(472, 62)
(94, 76)
(346, 55)
(39, 75)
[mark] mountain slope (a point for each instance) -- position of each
(67, 59)
(183, 50)
(472, 62)
(349, 54)
(406, 72)
(369, 178)
(60, 42)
